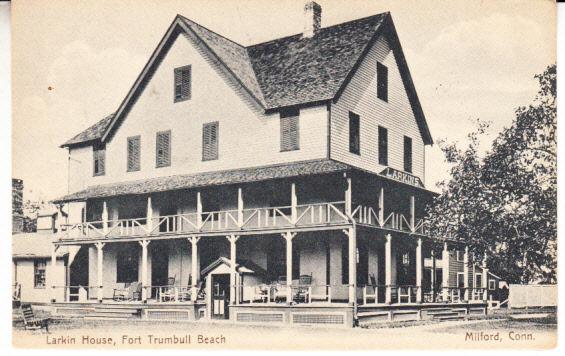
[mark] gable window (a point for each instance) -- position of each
(354, 136)
(134, 153)
(163, 149)
(491, 284)
(407, 154)
(460, 279)
(99, 153)
(210, 141)
(127, 265)
(382, 81)
(383, 146)
(182, 83)
(289, 130)
(39, 273)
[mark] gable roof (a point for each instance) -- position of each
(289, 71)
(35, 245)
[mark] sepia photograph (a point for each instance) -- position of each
(284, 175)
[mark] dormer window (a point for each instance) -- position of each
(382, 81)
(182, 83)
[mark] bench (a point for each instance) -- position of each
(31, 322)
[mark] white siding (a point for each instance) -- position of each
(360, 97)
(247, 137)
(24, 274)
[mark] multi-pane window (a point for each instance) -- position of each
(407, 154)
(134, 153)
(289, 130)
(99, 153)
(383, 146)
(210, 141)
(163, 149)
(182, 83)
(39, 273)
(354, 134)
(382, 81)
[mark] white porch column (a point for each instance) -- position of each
(288, 236)
(352, 259)
(239, 207)
(419, 271)
(348, 198)
(388, 269)
(233, 260)
(485, 278)
(100, 270)
(445, 271)
(293, 204)
(104, 217)
(412, 213)
(149, 216)
(51, 273)
(144, 272)
(194, 264)
(381, 207)
(433, 276)
(466, 272)
(198, 210)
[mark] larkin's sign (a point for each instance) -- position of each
(402, 177)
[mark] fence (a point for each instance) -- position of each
(532, 295)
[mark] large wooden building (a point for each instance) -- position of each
(281, 182)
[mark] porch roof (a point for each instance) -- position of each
(186, 181)
(35, 245)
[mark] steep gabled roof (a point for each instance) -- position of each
(289, 71)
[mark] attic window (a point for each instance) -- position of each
(210, 141)
(290, 130)
(134, 153)
(182, 83)
(354, 135)
(382, 81)
(163, 149)
(99, 159)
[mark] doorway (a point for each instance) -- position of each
(159, 263)
(220, 295)
(78, 274)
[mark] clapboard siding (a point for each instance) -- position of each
(247, 137)
(360, 97)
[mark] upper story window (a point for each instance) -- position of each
(134, 153)
(163, 149)
(99, 155)
(182, 83)
(39, 273)
(290, 130)
(407, 154)
(382, 81)
(383, 146)
(491, 284)
(210, 141)
(354, 134)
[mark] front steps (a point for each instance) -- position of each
(448, 314)
(99, 311)
(378, 314)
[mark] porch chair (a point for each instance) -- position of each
(185, 293)
(261, 293)
(31, 322)
(279, 289)
(169, 292)
(302, 294)
(371, 290)
(132, 291)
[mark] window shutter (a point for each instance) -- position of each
(383, 146)
(163, 149)
(182, 83)
(289, 133)
(134, 153)
(210, 141)
(99, 160)
(354, 134)
(382, 81)
(407, 154)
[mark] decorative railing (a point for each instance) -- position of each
(214, 221)
(300, 294)
(393, 221)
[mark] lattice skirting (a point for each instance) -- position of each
(318, 318)
(260, 317)
(168, 314)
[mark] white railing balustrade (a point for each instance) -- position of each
(393, 221)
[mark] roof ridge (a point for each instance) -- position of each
(212, 31)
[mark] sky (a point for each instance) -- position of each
(74, 61)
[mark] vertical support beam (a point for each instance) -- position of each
(149, 215)
(381, 207)
(51, 273)
(485, 278)
(194, 264)
(104, 217)
(352, 259)
(412, 213)
(419, 271)
(348, 198)
(445, 271)
(388, 269)
(144, 267)
(239, 207)
(433, 277)
(293, 204)
(233, 261)
(100, 270)
(288, 236)
(198, 210)
(466, 273)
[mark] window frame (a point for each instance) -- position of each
(138, 166)
(382, 153)
(355, 149)
(181, 70)
(287, 115)
(97, 151)
(382, 86)
(37, 272)
(408, 149)
(217, 143)
(166, 161)
(459, 274)
(489, 284)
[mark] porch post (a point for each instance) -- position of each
(194, 262)
(388, 269)
(144, 274)
(348, 198)
(104, 217)
(412, 213)
(198, 210)
(485, 278)
(51, 276)
(293, 203)
(445, 271)
(381, 207)
(466, 273)
(100, 270)
(433, 276)
(239, 207)
(288, 236)
(232, 239)
(149, 223)
(352, 258)
(419, 270)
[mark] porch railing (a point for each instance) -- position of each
(300, 294)
(79, 293)
(214, 221)
(393, 221)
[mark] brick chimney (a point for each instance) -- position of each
(312, 19)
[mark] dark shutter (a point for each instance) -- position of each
(289, 133)
(182, 83)
(407, 154)
(163, 149)
(210, 141)
(99, 160)
(382, 81)
(354, 137)
(383, 146)
(134, 154)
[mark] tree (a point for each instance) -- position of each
(505, 204)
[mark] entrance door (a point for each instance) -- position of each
(220, 296)
(159, 264)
